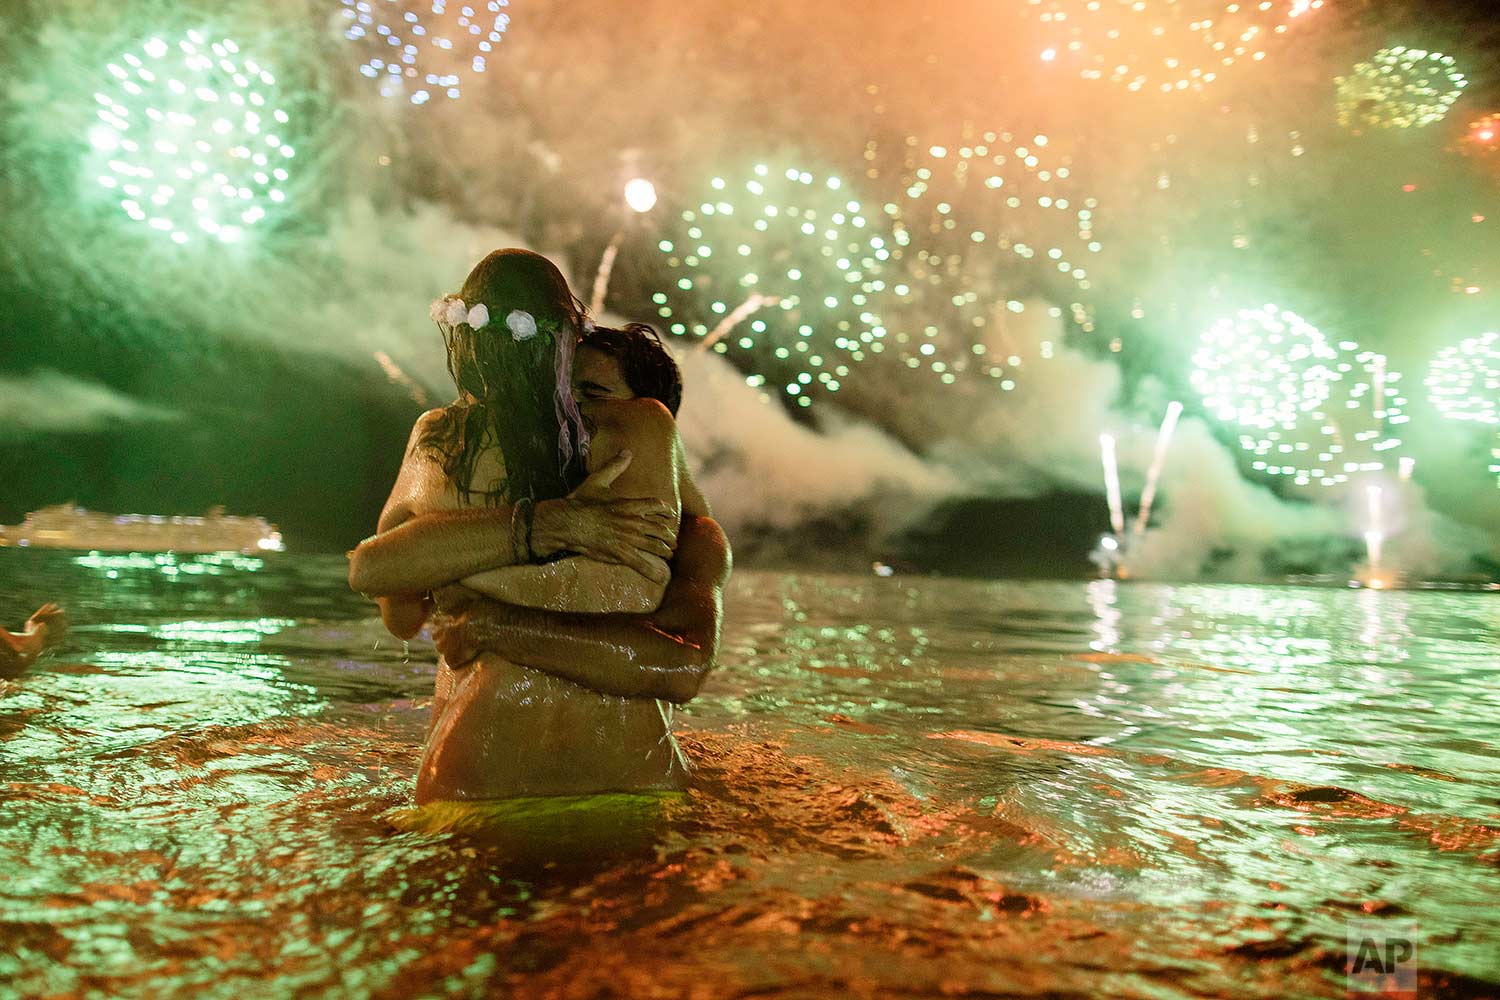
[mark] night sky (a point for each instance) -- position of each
(247, 379)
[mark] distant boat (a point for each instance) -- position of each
(68, 526)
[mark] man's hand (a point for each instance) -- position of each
(596, 524)
(456, 641)
(453, 632)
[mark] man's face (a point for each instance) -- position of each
(597, 375)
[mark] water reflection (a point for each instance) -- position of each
(169, 564)
(1101, 598)
(903, 788)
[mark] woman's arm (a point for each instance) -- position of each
(433, 549)
(643, 428)
(405, 613)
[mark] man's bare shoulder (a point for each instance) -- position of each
(703, 551)
(642, 426)
(640, 413)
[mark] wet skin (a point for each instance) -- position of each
(501, 729)
(43, 630)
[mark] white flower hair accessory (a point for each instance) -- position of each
(450, 310)
(521, 323)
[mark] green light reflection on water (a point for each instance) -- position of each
(1278, 757)
(169, 564)
(1273, 760)
(149, 695)
(234, 632)
(1161, 738)
(176, 792)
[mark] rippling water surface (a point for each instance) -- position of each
(904, 787)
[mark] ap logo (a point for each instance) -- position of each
(1382, 959)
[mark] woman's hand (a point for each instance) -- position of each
(596, 524)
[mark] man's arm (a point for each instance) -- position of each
(644, 428)
(665, 655)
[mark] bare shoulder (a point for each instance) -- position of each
(425, 424)
(420, 484)
(703, 548)
(635, 414)
(643, 426)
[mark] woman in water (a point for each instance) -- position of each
(514, 438)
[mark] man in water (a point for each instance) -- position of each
(664, 654)
(44, 630)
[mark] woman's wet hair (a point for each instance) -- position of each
(509, 389)
(649, 370)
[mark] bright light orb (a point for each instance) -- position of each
(1399, 88)
(190, 140)
(782, 267)
(1161, 46)
(1308, 410)
(421, 49)
(1483, 137)
(640, 195)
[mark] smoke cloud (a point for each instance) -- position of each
(49, 402)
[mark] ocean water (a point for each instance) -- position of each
(904, 787)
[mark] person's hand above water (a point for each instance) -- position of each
(595, 523)
(50, 622)
(44, 629)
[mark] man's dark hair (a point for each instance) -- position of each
(649, 370)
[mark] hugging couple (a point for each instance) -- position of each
(545, 527)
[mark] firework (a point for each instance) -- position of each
(977, 226)
(782, 267)
(190, 140)
(1399, 88)
(1112, 493)
(1306, 409)
(1158, 462)
(421, 50)
(1161, 45)
(1463, 383)
(640, 198)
